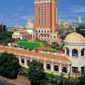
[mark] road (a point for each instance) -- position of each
(3, 82)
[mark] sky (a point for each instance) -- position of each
(17, 12)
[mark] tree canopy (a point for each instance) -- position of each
(36, 73)
(9, 65)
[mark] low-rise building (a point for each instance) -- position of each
(20, 34)
(72, 61)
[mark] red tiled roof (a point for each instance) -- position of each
(59, 51)
(42, 55)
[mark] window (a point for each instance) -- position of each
(54, 36)
(48, 66)
(22, 60)
(45, 31)
(28, 62)
(39, 31)
(48, 31)
(82, 69)
(82, 52)
(42, 31)
(75, 52)
(75, 69)
(67, 51)
(56, 68)
(50, 36)
(64, 69)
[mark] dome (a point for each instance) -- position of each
(75, 38)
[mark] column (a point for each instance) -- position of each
(79, 69)
(69, 69)
(79, 53)
(52, 66)
(44, 65)
(25, 62)
(52, 70)
(70, 52)
(20, 61)
(60, 69)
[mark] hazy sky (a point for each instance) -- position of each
(14, 12)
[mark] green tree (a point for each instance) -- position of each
(9, 65)
(36, 73)
(82, 79)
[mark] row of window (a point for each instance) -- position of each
(64, 69)
(56, 68)
(43, 31)
(75, 69)
(47, 36)
(75, 52)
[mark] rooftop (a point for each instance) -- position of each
(42, 55)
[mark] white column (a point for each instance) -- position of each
(52, 70)
(70, 52)
(79, 53)
(52, 66)
(79, 69)
(60, 69)
(69, 71)
(44, 65)
(20, 60)
(25, 62)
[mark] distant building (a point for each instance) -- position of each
(29, 24)
(20, 34)
(79, 19)
(27, 34)
(2, 28)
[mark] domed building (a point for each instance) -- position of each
(75, 52)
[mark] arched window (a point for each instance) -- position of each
(48, 66)
(54, 36)
(64, 69)
(39, 31)
(42, 31)
(28, 61)
(75, 52)
(82, 52)
(67, 51)
(56, 68)
(22, 60)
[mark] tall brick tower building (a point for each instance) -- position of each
(46, 19)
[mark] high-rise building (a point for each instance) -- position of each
(46, 18)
